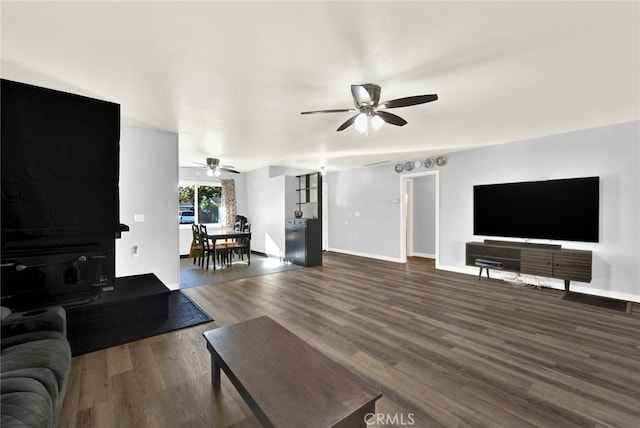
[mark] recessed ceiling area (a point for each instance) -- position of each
(231, 78)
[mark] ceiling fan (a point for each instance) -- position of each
(366, 98)
(215, 169)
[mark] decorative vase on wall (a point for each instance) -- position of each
(297, 213)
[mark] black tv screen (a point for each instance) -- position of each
(565, 209)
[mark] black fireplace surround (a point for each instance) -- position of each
(60, 197)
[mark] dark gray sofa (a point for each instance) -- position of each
(35, 362)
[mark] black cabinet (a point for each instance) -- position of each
(303, 241)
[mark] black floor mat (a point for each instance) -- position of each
(183, 312)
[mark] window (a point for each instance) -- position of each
(200, 203)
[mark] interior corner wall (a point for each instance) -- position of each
(610, 152)
(265, 198)
(149, 186)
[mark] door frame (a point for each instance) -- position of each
(325, 215)
(408, 197)
(404, 215)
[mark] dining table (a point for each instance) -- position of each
(224, 234)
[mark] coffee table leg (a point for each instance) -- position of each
(215, 372)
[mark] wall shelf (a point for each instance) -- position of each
(303, 236)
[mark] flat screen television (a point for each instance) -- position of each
(564, 209)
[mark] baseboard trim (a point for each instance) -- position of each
(371, 256)
(457, 269)
(423, 255)
(173, 286)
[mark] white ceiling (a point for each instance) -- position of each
(231, 78)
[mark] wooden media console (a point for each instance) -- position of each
(550, 261)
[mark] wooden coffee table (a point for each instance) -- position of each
(285, 381)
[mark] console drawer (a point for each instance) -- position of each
(572, 265)
(536, 262)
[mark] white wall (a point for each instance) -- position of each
(266, 211)
(149, 186)
(611, 152)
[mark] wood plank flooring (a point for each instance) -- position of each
(446, 349)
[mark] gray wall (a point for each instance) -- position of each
(148, 186)
(364, 212)
(424, 216)
(611, 152)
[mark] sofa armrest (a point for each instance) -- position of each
(53, 319)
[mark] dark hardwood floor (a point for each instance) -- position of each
(446, 349)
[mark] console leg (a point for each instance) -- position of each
(480, 273)
(566, 285)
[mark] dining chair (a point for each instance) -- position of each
(213, 249)
(207, 248)
(240, 223)
(196, 251)
(241, 245)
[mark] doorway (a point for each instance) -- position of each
(419, 215)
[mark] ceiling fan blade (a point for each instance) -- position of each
(230, 170)
(348, 123)
(341, 110)
(409, 101)
(391, 118)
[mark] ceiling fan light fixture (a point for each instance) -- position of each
(361, 123)
(213, 167)
(376, 122)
